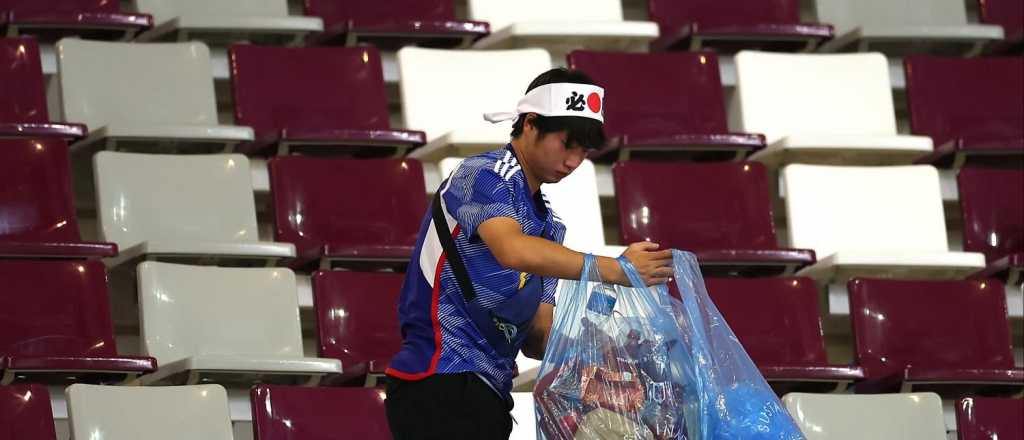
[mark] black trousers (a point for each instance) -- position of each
(446, 407)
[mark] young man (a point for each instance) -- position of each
(481, 282)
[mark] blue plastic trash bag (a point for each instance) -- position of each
(635, 363)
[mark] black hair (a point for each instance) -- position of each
(587, 132)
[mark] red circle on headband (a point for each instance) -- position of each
(594, 102)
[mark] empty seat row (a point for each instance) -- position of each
(833, 109)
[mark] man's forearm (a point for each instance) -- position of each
(549, 259)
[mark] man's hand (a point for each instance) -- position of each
(654, 266)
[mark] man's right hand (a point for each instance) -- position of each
(654, 266)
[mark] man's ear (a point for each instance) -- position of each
(528, 122)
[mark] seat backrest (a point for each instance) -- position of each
(142, 197)
(576, 201)
(697, 207)
(846, 15)
(357, 315)
(1007, 13)
(671, 15)
(989, 418)
(300, 413)
(781, 324)
(347, 202)
(55, 308)
(929, 324)
(905, 416)
(975, 98)
(501, 13)
(308, 88)
(163, 10)
(153, 84)
(51, 6)
(335, 12)
(783, 94)
(22, 86)
(203, 310)
(657, 94)
(25, 413)
(445, 90)
(992, 205)
(883, 209)
(153, 413)
(35, 192)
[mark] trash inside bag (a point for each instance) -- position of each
(636, 363)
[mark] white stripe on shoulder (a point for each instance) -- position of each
(511, 172)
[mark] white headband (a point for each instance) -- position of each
(558, 99)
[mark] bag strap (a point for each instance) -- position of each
(448, 245)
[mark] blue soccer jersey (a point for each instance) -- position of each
(438, 335)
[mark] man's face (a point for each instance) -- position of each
(551, 160)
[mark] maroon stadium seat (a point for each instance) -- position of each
(347, 211)
(391, 24)
(719, 211)
(950, 337)
(52, 19)
(299, 413)
(315, 99)
(1010, 15)
(986, 418)
(23, 94)
(55, 325)
(37, 215)
(25, 413)
(357, 321)
(667, 104)
(732, 25)
(971, 108)
(778, 322)
(992, 205)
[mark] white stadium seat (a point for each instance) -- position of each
(446, 92)
(147, 96)
(226, 21)
(908, 416)
(832, 109)
(196, 412)
(229, 324)
(180, 207)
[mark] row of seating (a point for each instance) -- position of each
(786, 108)
(55, 327)
(201, 412)
(692, 24)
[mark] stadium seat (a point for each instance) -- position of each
(224, 325)
(831, 109)
(55, 325)
(49, 20)
(315, 100)
(37, 213)
(160, 97)
(872, 221)
(23, 110)
(226, 21)
(948, 337)
(153, 413)
(524, 417)
(347, 212)
(904, 27)
(992, 206)
(732, 25)
(392, 24)
(25, 413)
(971, 108)
(1010, 15)
(719, 211)
(778, 322)
(446, 92)
(910, 416)
(298, 413)
(560, 26)
(357, 321)
(666, 106)
(180, 208)
(981, 418)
